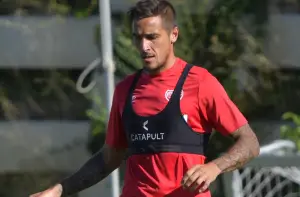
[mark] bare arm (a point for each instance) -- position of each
(93, 171)
(245, 148)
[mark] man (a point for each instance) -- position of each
(161, 118)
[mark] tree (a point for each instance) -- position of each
(223, 35)
(25, 95)
(291, 131)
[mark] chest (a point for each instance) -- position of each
(151, 96)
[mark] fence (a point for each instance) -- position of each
(275, 173)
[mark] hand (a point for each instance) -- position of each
(54, 191)
(200, 177)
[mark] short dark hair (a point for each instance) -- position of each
(150, 8)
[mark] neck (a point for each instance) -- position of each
(169, 63)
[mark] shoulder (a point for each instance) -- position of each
(200, 74)
(208, 84)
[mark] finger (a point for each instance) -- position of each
(199, 182)
(193, 178)
(35, 195)
(204, 186)
(190, 181)
(189, 173)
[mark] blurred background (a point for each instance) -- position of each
(50, 51)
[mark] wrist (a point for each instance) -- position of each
(215, 166)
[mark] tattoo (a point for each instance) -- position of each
(246, 147)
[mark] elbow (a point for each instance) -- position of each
(256, 149)
(256, 152)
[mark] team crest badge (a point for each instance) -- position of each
(168, 94)
(133, 99)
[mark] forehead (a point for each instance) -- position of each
(148, 25)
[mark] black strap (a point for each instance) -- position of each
(131, 89)
(177, 91)
(134, 82)
(177, 148)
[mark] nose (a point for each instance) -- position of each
(145, 45)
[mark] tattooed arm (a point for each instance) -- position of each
(218, 109)
(245, 148)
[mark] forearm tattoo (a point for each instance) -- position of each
(245, 148)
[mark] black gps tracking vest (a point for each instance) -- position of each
(166, 131)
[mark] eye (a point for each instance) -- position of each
(151, 36)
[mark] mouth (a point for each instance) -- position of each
(148, 58)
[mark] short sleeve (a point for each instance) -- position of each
(115, 136)
(217, 108)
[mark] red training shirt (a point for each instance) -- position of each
(204, 104)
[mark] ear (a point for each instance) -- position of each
(174, 34)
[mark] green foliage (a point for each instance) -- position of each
(98, 115)
(126, 56)
(224, 37)
(291, 131)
